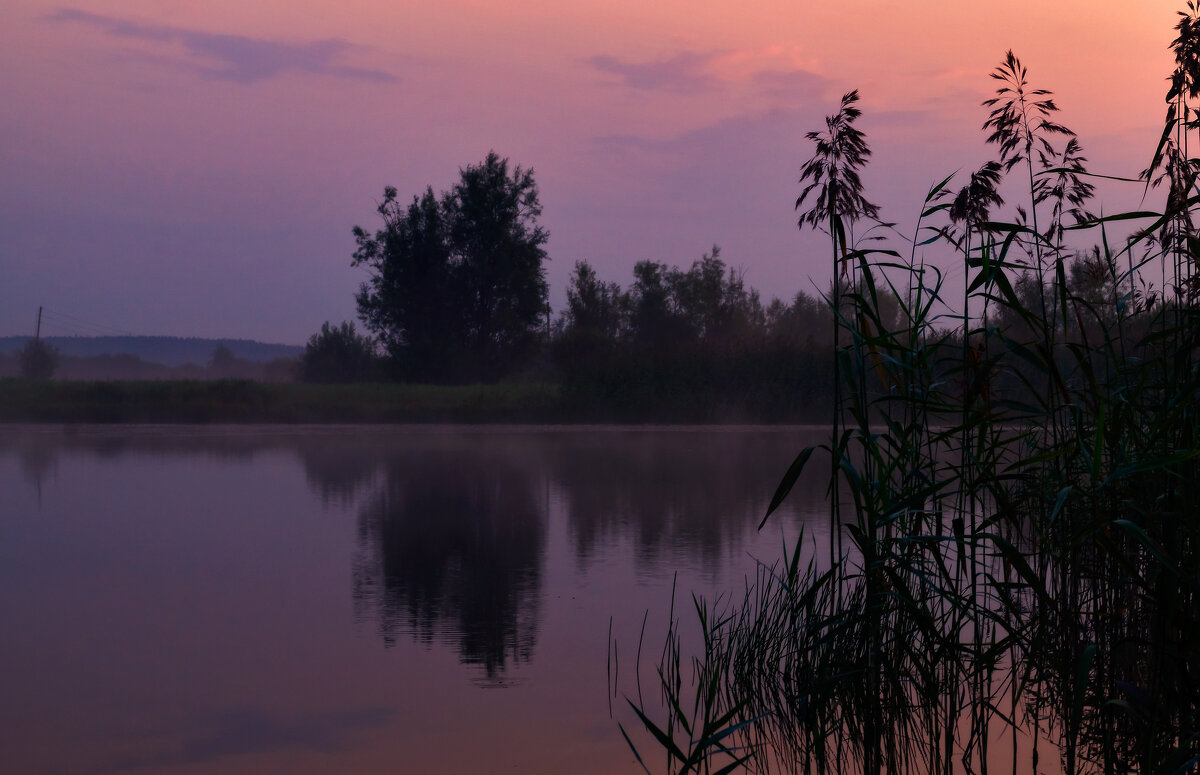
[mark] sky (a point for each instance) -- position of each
(195, 167)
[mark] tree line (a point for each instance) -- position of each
(457, 293)
(692, 342)
(40, 360)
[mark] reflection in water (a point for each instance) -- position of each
(453, 542)
(38, 463)
(218, 736)
(692, 494)
(208, 566)
(452, 522)
(451, 549)
(341, 467)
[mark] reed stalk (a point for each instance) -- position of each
(1014, 513)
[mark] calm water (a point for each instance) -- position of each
(388, 600)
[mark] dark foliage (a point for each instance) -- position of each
(170, 351)
(1013, 546)
(38, 360)
(339, 354)
(691, 344)
(457, 288)
(223, 364)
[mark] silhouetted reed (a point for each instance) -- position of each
(1014, 569)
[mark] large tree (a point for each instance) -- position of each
(410, 301)
(457, 287)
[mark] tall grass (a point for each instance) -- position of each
(1014, 568)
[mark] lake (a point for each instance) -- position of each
(362, 600)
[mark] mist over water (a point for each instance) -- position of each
(369, 600)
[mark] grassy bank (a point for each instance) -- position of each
(243, 401)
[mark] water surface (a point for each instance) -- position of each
(383, 600)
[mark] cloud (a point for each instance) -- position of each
(236, 57)
(771, 72)
(687, 72)
(737, 142)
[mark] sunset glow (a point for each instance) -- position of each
(195, 169)
(600, 387)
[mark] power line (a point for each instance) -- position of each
(79, 325)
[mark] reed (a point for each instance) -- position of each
(1015, 526)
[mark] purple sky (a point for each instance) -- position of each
(195, 168)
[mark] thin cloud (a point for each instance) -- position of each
(692, 72)
(236, 57)
(728, 140)
(687, 72)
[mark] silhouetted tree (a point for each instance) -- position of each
(410, 302)
(222, 358)
(457, 289)
(800, 325)
(223, 364)
(594, 308)
(713, 301)
(497, 246)
(688, 343)
(653, 319)
(338, 354)
(38, 360)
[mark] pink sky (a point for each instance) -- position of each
(194, 168)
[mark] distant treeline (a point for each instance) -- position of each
(457, 294)
(692, 344)
(698, 345)
(217, 362)
(163, 350)
(694, 341)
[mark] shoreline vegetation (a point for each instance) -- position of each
(249, 402)
(282, 403)
(1009, 579)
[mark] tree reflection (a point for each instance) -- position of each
(451, 550)
(683, 494)
(341, 468)
(452, 522)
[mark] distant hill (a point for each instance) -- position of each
(167, 350)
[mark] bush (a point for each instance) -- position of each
(38, 360)
(339, 354)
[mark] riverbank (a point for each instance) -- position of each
(244, 401)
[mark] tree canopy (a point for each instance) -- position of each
(457, 288)
(666, 306)
(338, 354)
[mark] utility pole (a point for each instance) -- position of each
(37, 332)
